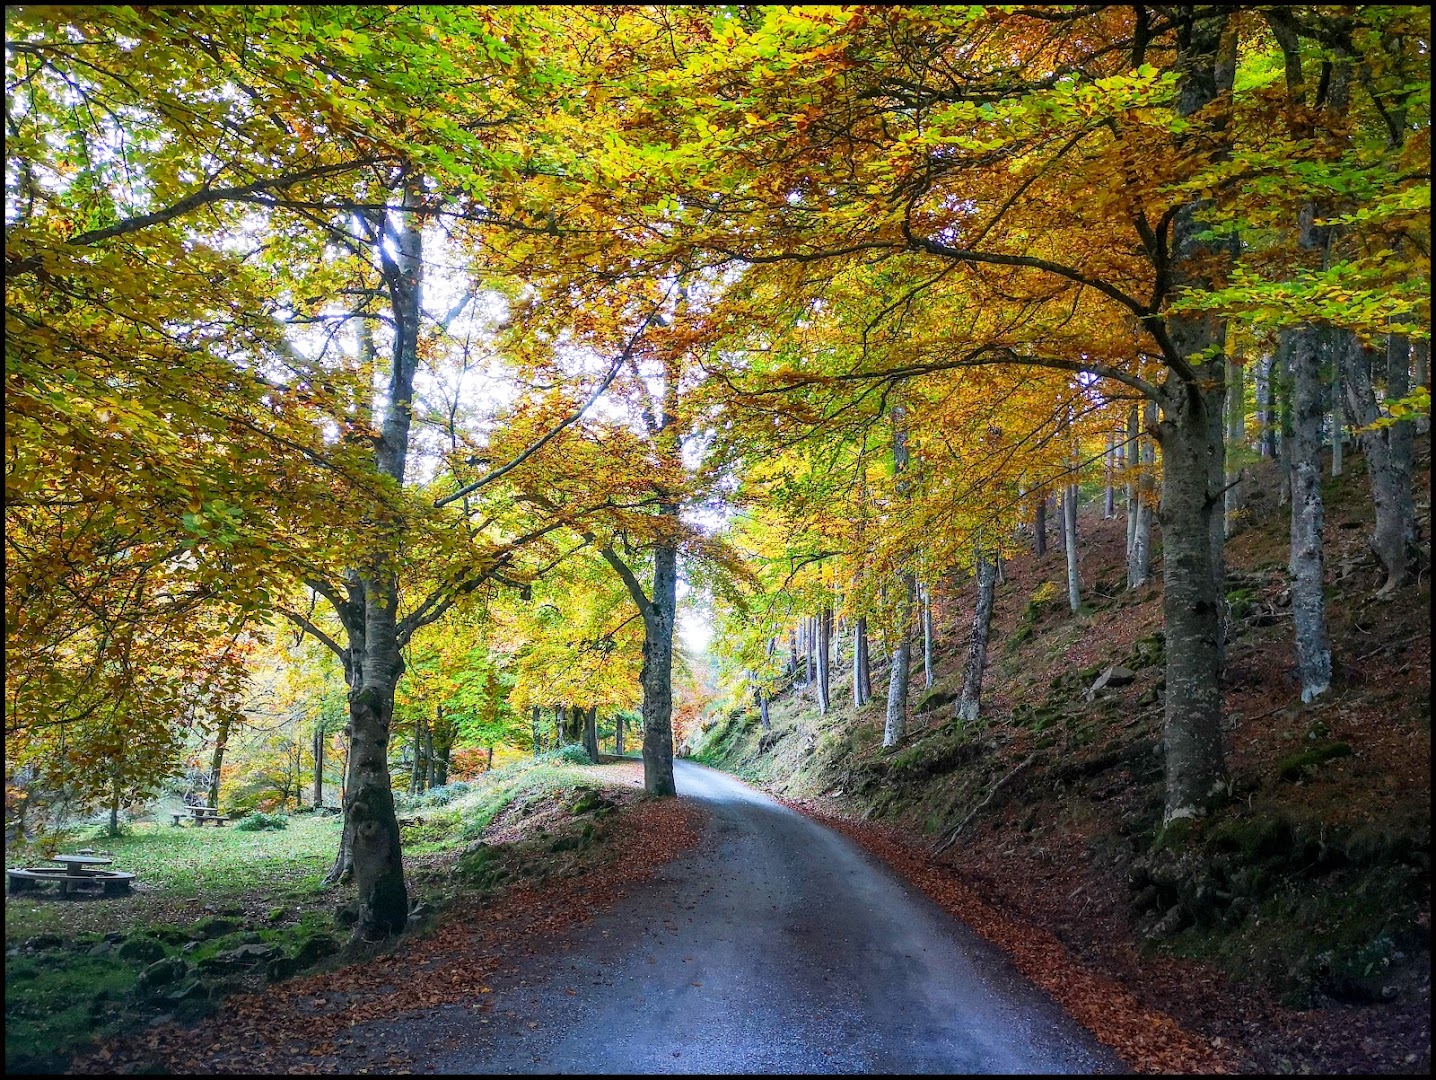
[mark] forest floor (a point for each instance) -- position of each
(1291, 932)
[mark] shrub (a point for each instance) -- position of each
(259, 820)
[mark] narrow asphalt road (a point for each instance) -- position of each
(776, 946)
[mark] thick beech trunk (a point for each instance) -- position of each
(896, 724)
(618, 734)
(590, 733)
(656, 676)
(1069, 531)
(369, 809)
(1388, 458)
(970, 700)
(824, 636)
(1191, 605)
(1192, 432)
(764, 722)
(216, 761)
(1056, 508)
(925, 597)
(1308, 348)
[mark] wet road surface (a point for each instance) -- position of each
(775, 946)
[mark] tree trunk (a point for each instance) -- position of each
(378, 867)
(1139, 557)
(1057, 508)
(793, 653)
(824, 635)
(656, 676)
(1266, 444)
(216, 762)
(590, 733)
(1307, 347)
(898, 673)
(343, 869)
(1134, 445)
(862, 678)
(925, 598)
(1236, 433)
(417, 771)
(969, 701)
(1388, 459)
(1069, 528)
(441, 744)
(808, 649)
(764, 722)
(534, 714)
(489, 762)
(1039, 526)
(1109, 497)
(618, 735)
(1191, 607)
(114, 829)
(318, 766)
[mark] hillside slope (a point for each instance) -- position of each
(1293, 927)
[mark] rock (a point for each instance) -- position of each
(1115, 675)
(161, 973)
(310, 953)
(189, 991)
(213, 927)
(251, 937)
(276, 914)
(42, 942)
(1167, 925)
(191, 947)
(141, 948)
(100, 948)
(170, 935)
(251, 953)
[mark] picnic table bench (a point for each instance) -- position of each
(73, 871)
(200, 814)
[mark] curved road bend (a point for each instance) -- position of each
(775, 946)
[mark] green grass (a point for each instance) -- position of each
(265, 883)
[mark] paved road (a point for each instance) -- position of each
(777, 946)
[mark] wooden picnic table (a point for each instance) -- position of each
(74, 871)
(78, 864)
(200, 814)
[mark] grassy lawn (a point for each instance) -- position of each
(72, 966)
